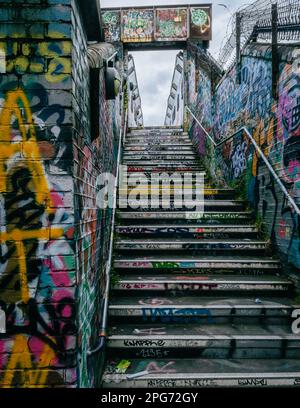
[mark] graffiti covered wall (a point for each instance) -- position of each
(199, 85)
(94, 154)
(275, 125)
(37, 264)
(52, 234)
(141, 24)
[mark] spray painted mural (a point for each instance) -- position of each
(37, 268)
(200, 23)
(51, 233)
(137, 25)
(171, 24)
(157, 24)
(275, 125)
(111, 25)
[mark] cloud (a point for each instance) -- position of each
(155, 68)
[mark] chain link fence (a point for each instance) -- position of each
(254, 23)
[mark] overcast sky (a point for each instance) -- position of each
(155, 68)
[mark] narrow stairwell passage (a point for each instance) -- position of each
(199, 301)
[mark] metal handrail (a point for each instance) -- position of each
(103, 329)
(125, 127)
(204, 130)
(260, 152)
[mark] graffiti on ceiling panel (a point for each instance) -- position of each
(200, 23)
(171, 24)
(137, 25)
(111, 26)
(157, 24)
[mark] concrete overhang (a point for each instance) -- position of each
(91, 18)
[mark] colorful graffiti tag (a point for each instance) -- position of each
(275, 125)
(36, 262)
(111, 25)
(157, 24)
(138, 25)
(200, 23)
(171, 24)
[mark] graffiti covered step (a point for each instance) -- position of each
(158, 156)
(163, 144)
(223, 263)
(204, 373)
(175, 154)
(186, 215)
(158, 204)
(184, 230)
(199, 309)
(211, 283)
(153, 148)
(155, 340)
(164, 244)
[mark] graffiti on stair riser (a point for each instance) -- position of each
(169, 315)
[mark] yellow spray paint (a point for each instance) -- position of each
(28, 150)
(32, 374)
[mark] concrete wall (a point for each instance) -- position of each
(275, 125)
(51, 232)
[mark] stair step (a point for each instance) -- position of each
(207, 341)
(196, 263)
(146, 189)
(156, 331)
(186, 215)
(198, 309)
(176, 173)
(204, 373)
(156, 129)
(195, 178)
(194, 283)
(226, 204)
(157, 139)
(160, 157)
(155, 188)
(171, 154)
(141, 143)
(187, 193)
(182, 230)
(201, 283)
(173, 162)
(164, 244)
(158, 148)
(169, 169)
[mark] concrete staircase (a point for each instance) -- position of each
(200, 300)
